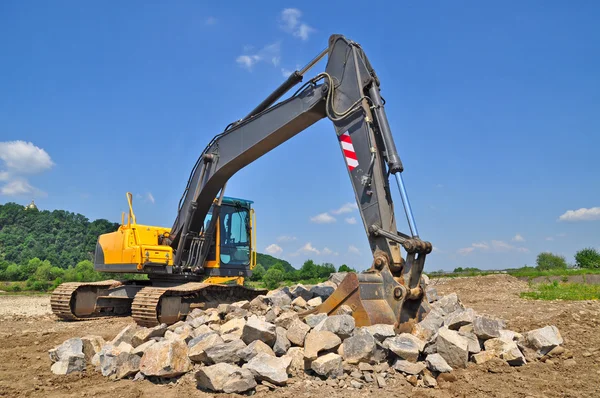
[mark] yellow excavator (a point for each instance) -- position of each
(204, 258)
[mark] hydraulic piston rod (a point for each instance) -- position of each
(407, 209)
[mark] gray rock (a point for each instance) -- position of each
(299, 302)
(380, 331)
(224, 352)
(487, 328)
(360, 347)
(253, 349)
(71, 348)
(317, 341)
(436, 363)
(259, 303)
(322, 290)
(118, 364)
(244, 304)
(509, 335)
(297, 356)
(429, 326)
(235, 312)
(272, 369)
(203, 329)
(69, 365)
(543, 340)
(337, 277)
(410, 368)
(234, 326)
(328, 365)
(196, 313)
(197, 346)
(280, 298)
(255, 329)
(222, 309)
(91, 346)
(313, 320)
(282, 344)
(166, 359)
(452, 347)
(459, 318)
(406, 346)
(226, 378)
(184, 332)
(506, 350)
(314, 302)
(286, 319)
(344, 310)
(473, 342)
(144, 334)
(447, 304)
(432, 294)
(301, 291)
(125, 335)
(181, 323)
(342, 325)
(297, 332)
(381, 382)
(140, 349)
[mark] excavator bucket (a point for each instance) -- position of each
(374, 298)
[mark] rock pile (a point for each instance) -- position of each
(246, 346)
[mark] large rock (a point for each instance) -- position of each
(322, 290)
(429, 326)
(360, 347)
(282, 344)
(91, 346)
(226, 378)
(473, 342)
(197, 346)
(140, 349)
(225, 352)
(487, 328)
(166, 359)
(459, 318)
(234, 326)
(436, 363)
(506, 350)
(301, 291)
(69, 348)
(259, 303)
(317, 341)
(234, 312)
(337, 277)
(406, 346)
(483, 357)
(125, 335)
(271, 369)
(286, 319)
(255, 329)
(297, 332)
(411, 368)
(313, 320)
(297, 356)
(432, 294)
(253, 349)
(69, 365)
(380, 331)
(279, 298)
(452, 347)
(328, 365)
(299, 303)
(543, 340)
(447, 304)
(144, 334)
(342, 325)
(118, 364)
(314, 302)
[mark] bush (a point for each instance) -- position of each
(587, 258)
(257, 273)
(345, 268)
(273, 278)
(546, 261)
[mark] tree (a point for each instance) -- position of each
(546, 261)
(257, 273)
(345, 268)
(272, 278)
(459, 269)
(587, 258)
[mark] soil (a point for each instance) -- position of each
(26, 335)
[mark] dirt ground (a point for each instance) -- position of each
(28, 331)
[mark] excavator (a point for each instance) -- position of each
(204, 258)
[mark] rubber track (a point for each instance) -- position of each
(144, 308)
(60, 300)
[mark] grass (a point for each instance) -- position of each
(563, 291)
(529, 272)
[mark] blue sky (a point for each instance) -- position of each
(495, 109)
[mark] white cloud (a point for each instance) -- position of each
(210, 21)
(149, 197)
(549, 238)
(290, 21)
(353, 249)
(327, 251)
(495, 246)
(273, 249)
(270, 53)
(351, 220)
(22, 158)
(286, 238)
(346, 208)
(308, 248)
(582, 214)
(323, 218)
(518, 238)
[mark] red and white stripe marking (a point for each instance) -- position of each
(349, 152)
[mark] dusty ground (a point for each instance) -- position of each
(26, 335)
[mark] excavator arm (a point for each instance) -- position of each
(348, 94)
